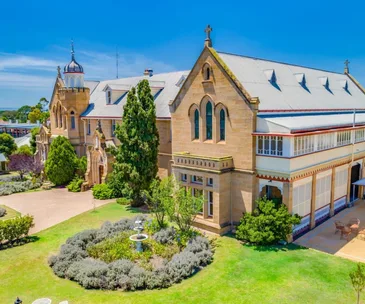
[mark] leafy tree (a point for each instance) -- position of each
(44, 116)
(22, 113)
(160, 197)
(358, 280)
(43, 103)
(22, 163)
(24, 150)
(267, 224)
(81, 166)
(183, 208)
(61, 163)
(135, 165)
(7, 144)
(35, 115)
(33, 145)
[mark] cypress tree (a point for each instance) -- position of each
(61, 163)
(135, 165)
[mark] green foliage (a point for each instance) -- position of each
(184, 207)
(358, 280)
(123, 201)
(160, 197)
(102, 192)
(267, 224)
(135, 164)
(33, 145)
(61, 163)
(35, 115)
(153, 226)
(25, 150)
(75, 184)
(14, 229)
(81, 166)
(7, 144)
(22, 113)
(44, 116)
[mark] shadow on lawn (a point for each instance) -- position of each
(23, 241)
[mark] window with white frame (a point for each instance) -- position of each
(270, 145)
(183, 177)
(303, 145)
(326, 141)
(210, 182)
(341, 183)
(302, 195)
(197, 179)
(359, 135)
(323, 191)
(343, 138)
(210, 203)
(109, 97)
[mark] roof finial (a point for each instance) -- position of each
(72, 50)
(208, 41)
(347, 70)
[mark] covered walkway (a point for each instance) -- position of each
(323, 237)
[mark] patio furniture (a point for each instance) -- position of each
(354, 225)
(345, 232)
(42, 301)
(339, 226)
(361, 234)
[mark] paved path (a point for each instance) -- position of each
(50, 207)
(323, 237)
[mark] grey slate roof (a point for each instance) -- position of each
(289, 93)
(164, 86)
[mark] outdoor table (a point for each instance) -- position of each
(42, 301)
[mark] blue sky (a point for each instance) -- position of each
(167, 36)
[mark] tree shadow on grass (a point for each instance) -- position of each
(274, 248)
(141, 209)
(23, 241)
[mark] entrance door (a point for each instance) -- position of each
(355, 176)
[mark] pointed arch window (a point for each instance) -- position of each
(73, 121)
(196, 124)
(222, 125)
(209, 120)
(60, 117)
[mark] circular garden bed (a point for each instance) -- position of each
(106, 258)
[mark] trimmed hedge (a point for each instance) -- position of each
(74, 263)
(102, 192)
(8, 188)
(75, 184)
(14, 229)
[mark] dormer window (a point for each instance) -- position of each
(206, 72)
(301, 79)
(345, 85)
(109, 97)
(324, 81)
(271, 76)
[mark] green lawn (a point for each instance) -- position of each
(10, 213)
(239, 274)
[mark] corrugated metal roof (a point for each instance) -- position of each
(23, 141)
(287, 93)
(91, 84)
(98, 106)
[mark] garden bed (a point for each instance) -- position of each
(106, 258)
(10, 184)
(10, 213)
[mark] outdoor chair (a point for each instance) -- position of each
(339, 226)
(345, 232)
(354, 225)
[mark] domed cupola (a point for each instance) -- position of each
(74, 72)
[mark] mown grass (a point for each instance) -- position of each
(10, 213)
(239, 274)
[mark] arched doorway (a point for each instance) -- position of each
(355, 176)
(272, 193)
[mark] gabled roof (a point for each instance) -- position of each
(323, 89)
(165, 86)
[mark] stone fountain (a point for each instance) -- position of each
(139, 237)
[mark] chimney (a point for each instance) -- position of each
(148, 72)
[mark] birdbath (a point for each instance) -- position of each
(139, 237)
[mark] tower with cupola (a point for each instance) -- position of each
(70, 99)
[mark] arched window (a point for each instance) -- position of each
(56, 116)
(73, 122)
(209, 120)
(196, 124)
(222, 125)
(206, 72)
(60, 122)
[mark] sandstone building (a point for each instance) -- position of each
(234, 128)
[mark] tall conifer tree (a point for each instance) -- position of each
(135, 165)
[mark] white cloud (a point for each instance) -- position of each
(14, 61)
(11, 80)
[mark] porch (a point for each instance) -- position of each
(324, 238)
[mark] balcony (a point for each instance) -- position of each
(185, 159)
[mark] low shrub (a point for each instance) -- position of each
(14, 229)
(9, 178)
(123, 201)
(8, 188)
(165, 236)
(75, 184)
(83, 259)
(267, 224)
(2, 211)
(102, 192)
(152, 226)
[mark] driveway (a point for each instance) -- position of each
(323, 237)
(50, 207)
